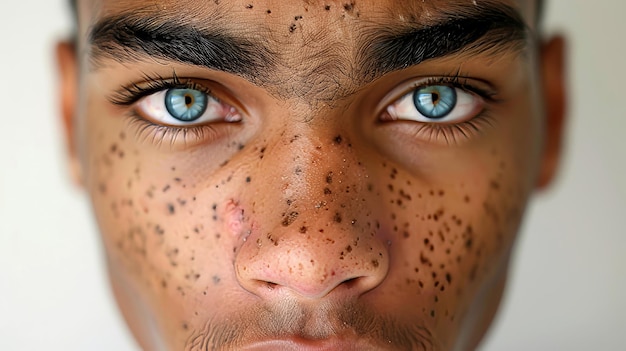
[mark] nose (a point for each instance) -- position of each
(320, 239)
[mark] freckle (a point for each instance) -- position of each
(290, 218)
(102, 188)
(375, 263)
(303, 229)
(249, 6)
(448, 278)
(248, 179)
(216, 280)
(292, 28)
(337, 218)
(406, 235)
(338, 139)
(327, 7)
(441, 193)
(170, 208)
(327, 191)
(166, 188)
(466, 199)
(329, 178)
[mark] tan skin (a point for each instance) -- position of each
(304, 214)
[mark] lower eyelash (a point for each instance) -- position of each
(453, 134)
(146, 131)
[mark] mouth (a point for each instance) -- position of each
(302, 344)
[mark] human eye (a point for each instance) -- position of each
(174, 108)
(437, 101)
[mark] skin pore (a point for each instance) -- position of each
(312, 204)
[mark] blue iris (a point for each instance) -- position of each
(185, 104)
(435, 101)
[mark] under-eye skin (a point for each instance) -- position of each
(174, 109)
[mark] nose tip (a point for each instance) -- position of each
(310, 267)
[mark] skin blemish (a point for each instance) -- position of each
(327, 7)
(289, 218)
(171, 209)
(249, 6)
(248, 179)
(329, 178)
(292, 28)
(337, 140)
(337, 217)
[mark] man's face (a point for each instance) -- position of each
(307, 174)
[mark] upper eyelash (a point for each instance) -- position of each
(456, 81)
(128, 95)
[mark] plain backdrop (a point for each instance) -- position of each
(568, 285)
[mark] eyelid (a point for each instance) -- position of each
(473, 85)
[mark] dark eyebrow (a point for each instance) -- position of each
(489, 30)
(129, 37)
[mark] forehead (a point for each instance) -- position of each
(315, 48)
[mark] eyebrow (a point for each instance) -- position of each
(383, 48)
(131, 38)
(487, 30)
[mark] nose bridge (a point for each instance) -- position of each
(312, 233)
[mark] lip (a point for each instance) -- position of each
(301, 344)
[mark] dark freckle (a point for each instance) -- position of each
(494, 185)
(441, 193)
(448, 278)
(406, 234)
(375, 263)
(249, 6)
(292, 28)
(303, 230)
(248, 179)
(466, 199)
(432, 313)
(216, 280)
(269, 11)
(327, 191)
(297, 18)
(348, 7)
(337, 218)
(289, 218)
(338, 139)
(166, 188)
(327, 7)
(171, 209)
(349, 248)
(329, 178)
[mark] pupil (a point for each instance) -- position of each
(435, 98)
(188, 100)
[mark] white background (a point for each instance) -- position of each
(568, 287)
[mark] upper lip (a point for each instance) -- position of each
(302, 344)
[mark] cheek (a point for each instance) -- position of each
(167, 226)
(451, 232)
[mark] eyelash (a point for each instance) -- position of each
(145, 129)
(452, 133)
